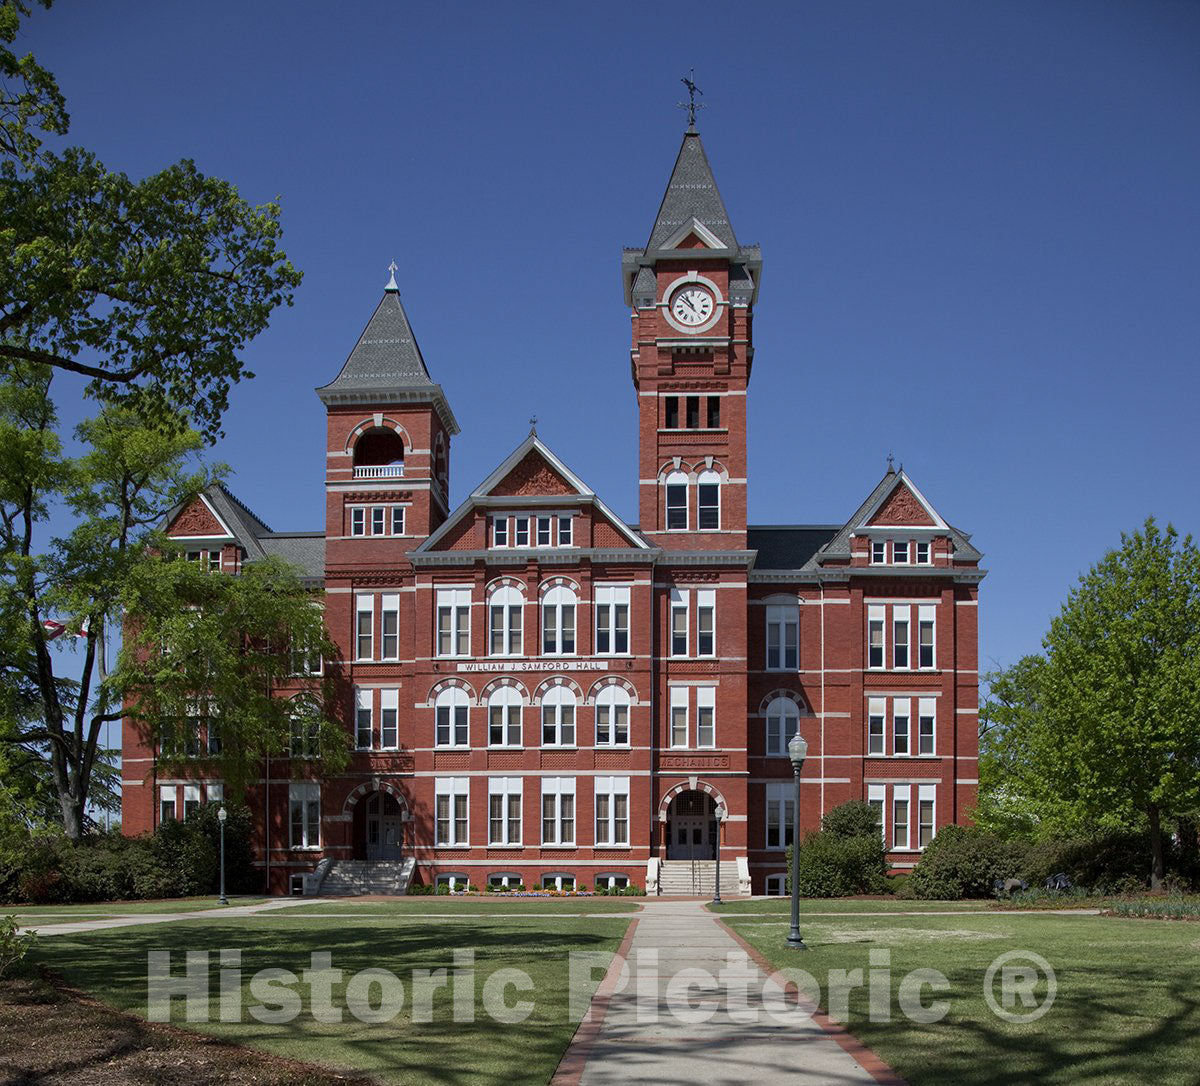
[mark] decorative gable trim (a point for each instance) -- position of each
(191, 530)
(903, 512)
(695, 226)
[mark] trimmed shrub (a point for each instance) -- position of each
(832, 866)
(962, 861)
(854, 819)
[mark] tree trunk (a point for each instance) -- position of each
(1157, 869)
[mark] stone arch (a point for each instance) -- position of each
(791, 695)
(692, 785)
(559, 582)
(378, 422)
(506, 681)
(452, 683)
(375, 784)
(612, 680)
(549, 684)
(494, 586)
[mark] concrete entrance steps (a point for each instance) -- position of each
(696, 878)
(346, 878)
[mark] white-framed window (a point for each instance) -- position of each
(708, 501)
(504, 718)
(677, 501)
(214, 792)
(358, 520)
(499, 531)
(706, 716)
(612, 811)
(558, 717)
(505, 880)
(558, 810)
(706, 622)
(876, 621)
(781, 813)
(612, 717)
(451, 719)
(389, 719)
(927, 725)
(397, 525)
(521, 531)
(901, 618)
(876, 725)
(560, 883)
(877, 801)
(378, 520)
(363, 724)
(306, 659)
(565, 534)
(305, 733)
(451, 798)
(544, 528)
(389, 626)
(504, 810)
(783, 637)
(679, 622)
(166, 802)
(558, 622)
(210, 561)
(454, 622)
(900, 552)
(783, 720)
(191, 800)
(679, 716)
(364, 627)
(901, 798)
(456, 880)
(304, 806)
(878, 552)
(926, 812)
(901, 725)
(612, 881)
(612, 620)
(926, 629)
(922, 552)
(506, 622)
(776, 885)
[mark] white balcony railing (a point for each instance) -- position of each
(378, 471)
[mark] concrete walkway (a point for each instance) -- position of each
(639, 1028)
(131, 920)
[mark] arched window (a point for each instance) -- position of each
(558, 717)
(612, 717)
(677, 503)
(378, 453)
(783, 718)
(504, 718)
(451, 714)
(505, 622)
(708, 501)
(558, 622)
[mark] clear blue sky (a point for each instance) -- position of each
(980, 225)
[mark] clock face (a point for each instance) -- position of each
(692, 306)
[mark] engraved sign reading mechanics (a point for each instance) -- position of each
(694, 761)
(534, 665)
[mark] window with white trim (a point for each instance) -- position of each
(305, 731)
(876, 621)
(504, 810)
(781, 813)
(612, 811)
(389, 719)
(454, 622)
(451, 811)
(877, 801)
(901, 617)
(214, 792)
(499, 531)
(922, 552)
(558, 622)
(876, 725)
(901, 796)
(504, 717)
(679, 716)
(209, 561)
(565, 534)
(451, 718)
(363, 724)
(706, 716)
(612, 620)
(397, 525)
(900, 552)
(544, 526)
(706, 622)
(504, 880)
(927, 725)
(878, 552)
(364, 627)
(561, 883)
(679, 622)
(506, 622)
(521, 531)
(456, 880)
(612, 882)
(378, 520)
(901, 725)
(166, 802)
(776, 885)
(304, 807)
(926, 623)
(708, 501)
(783, 721)
(677, 501)
(558, 810)
(389, 626)
(358, 520)
(558, 717)
(926, 810)
(191, 800)
(783, 636)
(612, 717)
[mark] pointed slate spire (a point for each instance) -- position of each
(386, 355)
(692, 193)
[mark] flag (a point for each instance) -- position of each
(53, 629)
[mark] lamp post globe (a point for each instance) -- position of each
(222, 815)
(720, 813)
(797, 752)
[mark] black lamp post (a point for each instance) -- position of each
(720, 813)
(797, 751)
(222, 814)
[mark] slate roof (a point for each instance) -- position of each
(305, 550)
(245, 526)
(692, 193)
(386, 354)
(788, 546)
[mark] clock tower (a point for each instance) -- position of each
(692, 289)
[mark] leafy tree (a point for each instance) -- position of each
(30, 101)
(1118, 734)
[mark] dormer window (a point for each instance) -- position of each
(900, 552)
(878, 552)
(564, 532)
(922, 555)
(522, 532)
(499, 531)
(543, 531)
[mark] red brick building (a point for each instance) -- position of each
(540, 692)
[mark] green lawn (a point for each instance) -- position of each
(471, 906)
(69, 913)
(783, 905)
(112, 965)
(1127, 1008)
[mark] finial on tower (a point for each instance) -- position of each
(391, 283)
(533, 425)
(691, 105)
(891, 464)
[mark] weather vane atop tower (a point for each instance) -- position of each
(391, 284)
(691, 105)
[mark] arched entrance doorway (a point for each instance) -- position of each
(692, 827)
(382, 826)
